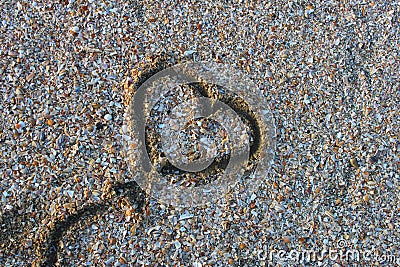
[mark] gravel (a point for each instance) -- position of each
(329, 70)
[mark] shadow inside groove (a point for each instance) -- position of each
(130, 189)
(61, 227)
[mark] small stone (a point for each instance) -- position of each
(74, 30)
(177, 244)
(109, 261)
(279, 208)
(354, 163)
(50, 122)
(108, 117)
(189, 52)
(19, 6)
(269, 74)
(124, 129)
(19, 126)
(70, 193)
(185, 216)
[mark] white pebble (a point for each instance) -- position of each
(108, 117)
(110, 260)
(185, 216)
(178, 245)
(75, 29)
(189, 52)
(70, 193)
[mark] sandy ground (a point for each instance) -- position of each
(329, 72)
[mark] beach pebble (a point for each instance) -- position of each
(108, 117)
(74, 29)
